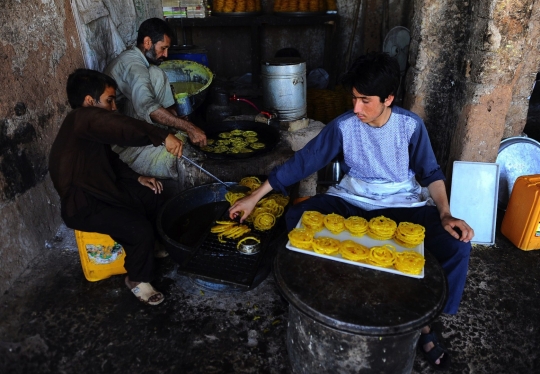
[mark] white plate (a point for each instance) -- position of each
(364, 240)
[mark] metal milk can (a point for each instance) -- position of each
(284, 87)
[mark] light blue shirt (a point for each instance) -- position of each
(142, 88)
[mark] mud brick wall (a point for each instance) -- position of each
(39, 48)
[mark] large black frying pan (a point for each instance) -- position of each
(267, 134)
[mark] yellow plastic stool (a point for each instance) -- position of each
(100, 256)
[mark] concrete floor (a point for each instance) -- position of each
(54, 321)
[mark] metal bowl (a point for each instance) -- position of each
(249, 247)
(184, 71)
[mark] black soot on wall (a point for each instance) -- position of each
(21, 164)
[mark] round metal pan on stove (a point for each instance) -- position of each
(267, 134)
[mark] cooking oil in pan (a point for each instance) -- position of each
(189, 228)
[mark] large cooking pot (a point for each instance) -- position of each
(267, 134)
(184, 225)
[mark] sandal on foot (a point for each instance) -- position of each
(434, 353)
(147, 294)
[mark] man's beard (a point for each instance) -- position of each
(151, 56)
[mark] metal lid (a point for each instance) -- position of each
(283, 61)
(517, 156)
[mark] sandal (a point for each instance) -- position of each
(434, 353)
(146, 293)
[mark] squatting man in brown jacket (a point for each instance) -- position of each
(100, 193)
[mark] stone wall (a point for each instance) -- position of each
(471, 68)
(39, 47)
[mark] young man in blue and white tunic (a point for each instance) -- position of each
(390, 169)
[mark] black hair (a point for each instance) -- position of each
(374, 74)
(83, 82)
(155, 28)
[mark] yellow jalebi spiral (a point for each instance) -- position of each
(409, 234)
(252, 182)
(334, 223)
(313, 220)
(325, 245)
(271, 205)
(229, 229)
(409, 262)
(258, 210)
(351, 250)
(357, 226)
(222, 226)
(381, 228)
(280, 199)
(264, 221)
(383, 256)
(301, 238)
(247, 238)
(231, 197)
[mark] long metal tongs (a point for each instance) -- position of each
(233, 188)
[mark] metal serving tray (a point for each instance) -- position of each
(364, 240)
(473, 197)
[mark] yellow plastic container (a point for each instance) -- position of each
(100, 256)
(521, 222)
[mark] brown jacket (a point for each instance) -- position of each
(81, 160)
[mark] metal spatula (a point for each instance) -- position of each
(234, 188)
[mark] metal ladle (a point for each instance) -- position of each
(234, 188)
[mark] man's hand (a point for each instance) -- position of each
(197, 136)
(173, 145)
(167, 118)
(151, 183)
(245, 205)
(450, 224)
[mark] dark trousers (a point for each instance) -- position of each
(452, 254)
(133, 226)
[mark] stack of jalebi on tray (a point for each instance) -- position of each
(313, 220)
(301, 237)
(351, 250)
(410, 262)
(357, 226)
(334, 223)
(325, 245)
(380, 228)
(409, 235)
(382, 255)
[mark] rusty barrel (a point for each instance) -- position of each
(344, 318)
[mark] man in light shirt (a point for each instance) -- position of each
(144, 93)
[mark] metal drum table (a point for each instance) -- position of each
(348, 319)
